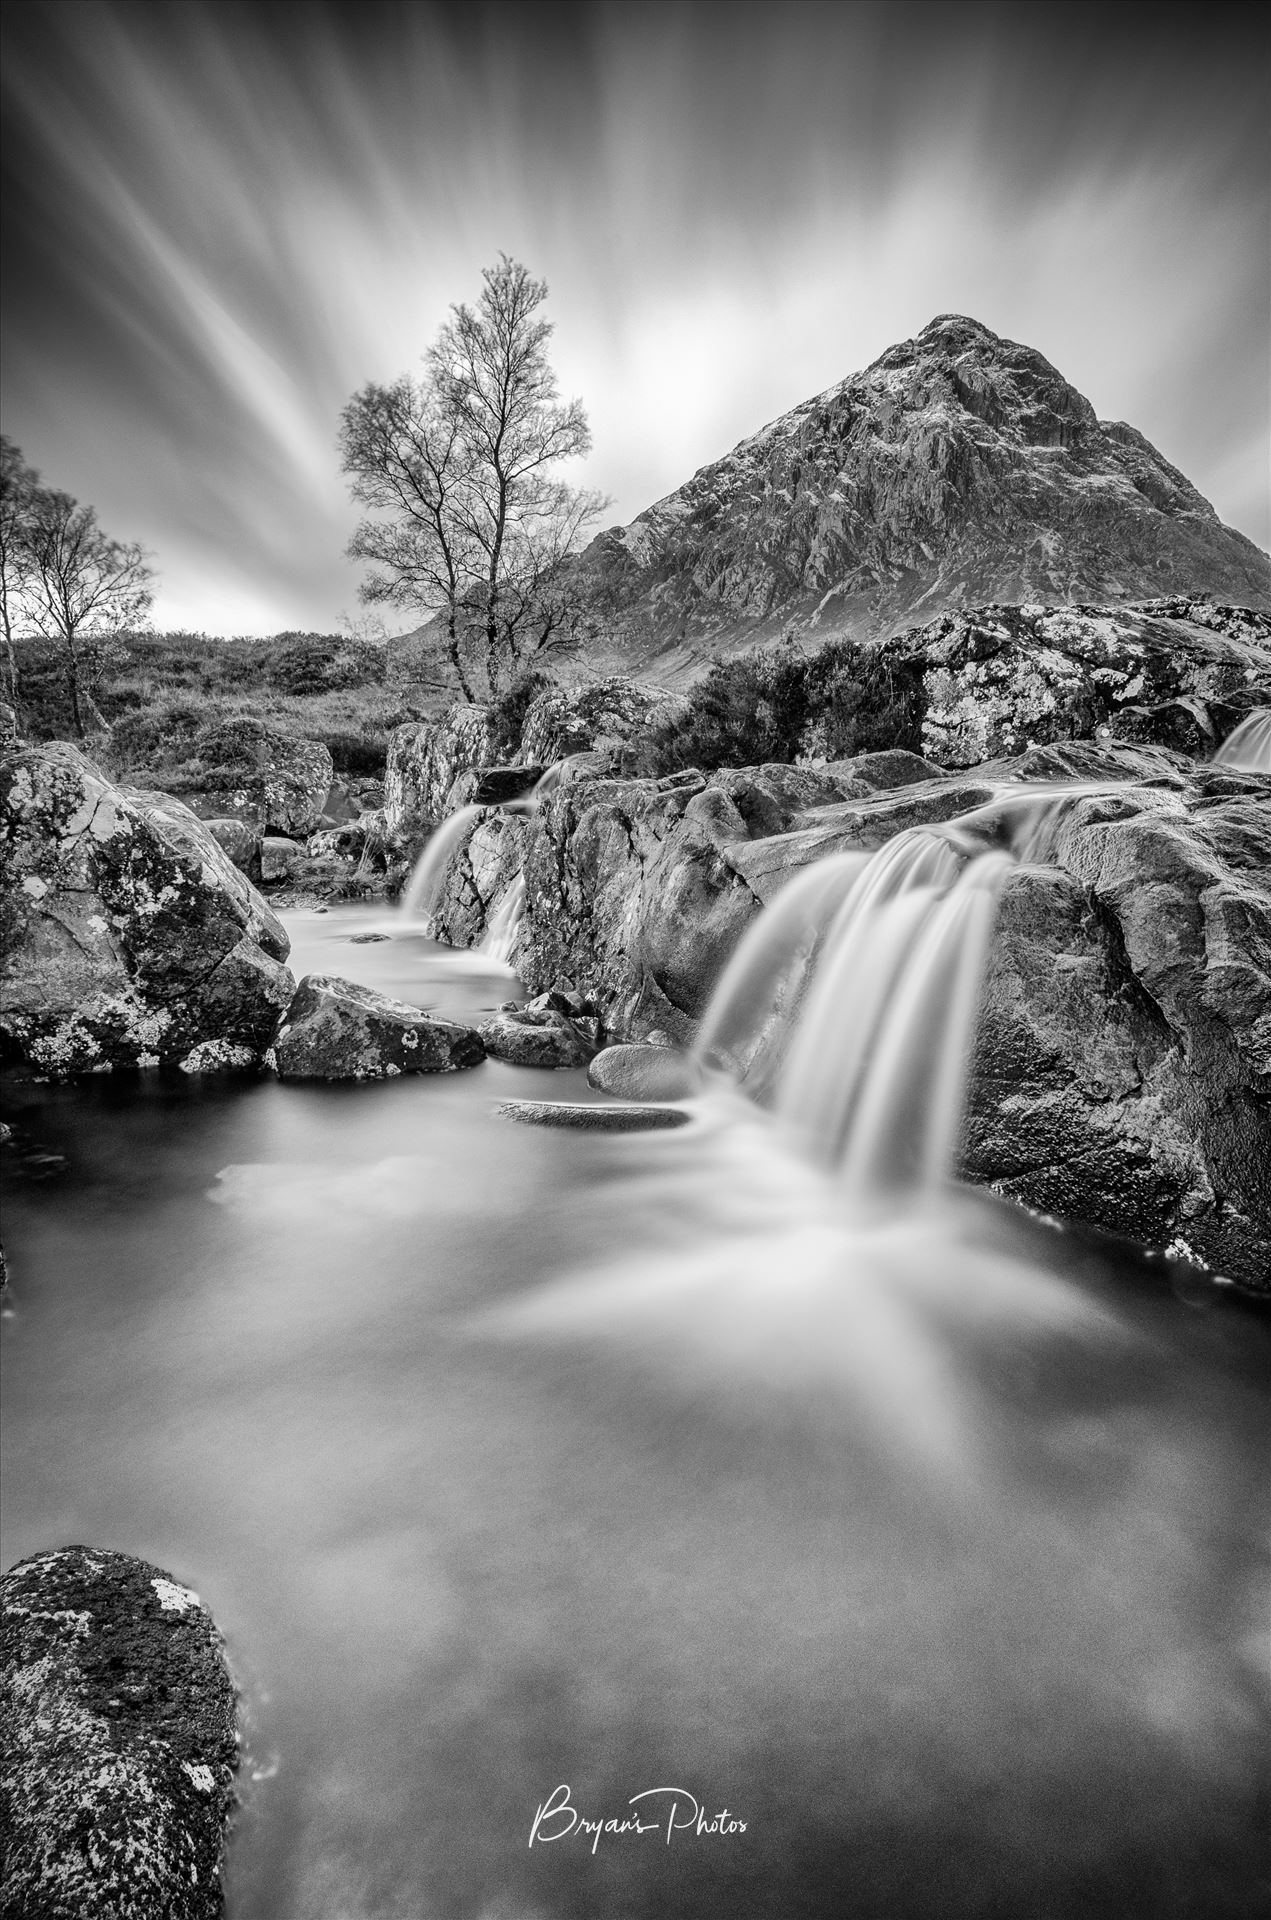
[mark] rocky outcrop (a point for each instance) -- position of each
(338, 1030)
(611, 716)
(425, 759)
(130, 936)
(247, 770)
(960, 468)
(118, 1744)
(1123, 1070)
(1177, 673)
(241, 840)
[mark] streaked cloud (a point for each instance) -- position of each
(224, 218)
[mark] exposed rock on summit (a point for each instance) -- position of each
(958, 469)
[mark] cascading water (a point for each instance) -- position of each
(422, 892)
(851, 1005)
(1248, 747)
(505, 922)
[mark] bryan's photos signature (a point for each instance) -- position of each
(667, 1811)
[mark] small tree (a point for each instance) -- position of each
(474, 522)
(18, 486)
(78, 589)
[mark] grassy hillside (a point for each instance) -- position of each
(160, 692)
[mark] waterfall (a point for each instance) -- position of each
(422, 893)
(1248, 747)
(505, 923)
(850, 1006)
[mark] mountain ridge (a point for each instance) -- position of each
(958, 468)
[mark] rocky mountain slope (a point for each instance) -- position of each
(958, 469)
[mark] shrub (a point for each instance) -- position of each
(307, 663)
(776, 705)
(744, 711)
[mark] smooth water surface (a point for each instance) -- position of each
(512, 1460)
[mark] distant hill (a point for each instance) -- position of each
(959, 469)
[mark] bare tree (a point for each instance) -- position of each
(18, 486)
(80, 590)
(473, 521)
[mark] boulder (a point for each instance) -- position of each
(337, 1030)
(130, 936)
(644, 1073)
(280, 858)
(425, 759)
(118, 1744)
(539, 1036)
(241, 840)
(253, 771)
(1002, 678)
(615, 715)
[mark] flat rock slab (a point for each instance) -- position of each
(565, 1113)
(118, 1743)
(336, 1029)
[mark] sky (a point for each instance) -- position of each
(221, 220)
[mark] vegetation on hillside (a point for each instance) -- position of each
(777, 704)
(161, 694)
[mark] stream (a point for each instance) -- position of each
(843, 1558)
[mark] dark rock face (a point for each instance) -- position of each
(1172, 672)
(130, 937)
(337, 1030)
(255, 772)
(958, 469)
(496, 785)
(118, 1745)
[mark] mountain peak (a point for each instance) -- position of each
(958, 468)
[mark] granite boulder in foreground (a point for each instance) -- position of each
(336, 1029)
(118, 1743)
(130, 937)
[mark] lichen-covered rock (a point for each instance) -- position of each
(1000, 679)
(598, 716)
(425, 759)
(130, 936)
(336, 1029)
(241, 840)
(253, 771)
(539, 1036)
(118, 1745)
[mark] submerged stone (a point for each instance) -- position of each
(336, 1029)
(118, 1744)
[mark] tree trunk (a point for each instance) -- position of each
(452, 648)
